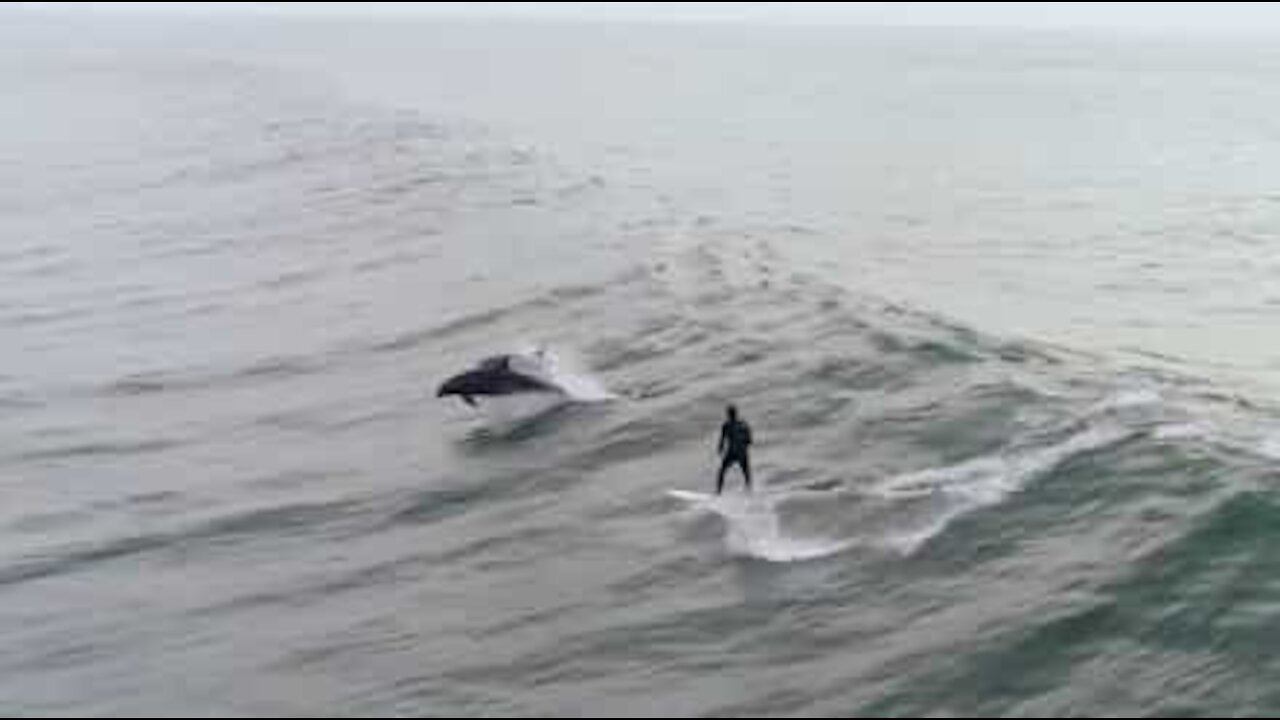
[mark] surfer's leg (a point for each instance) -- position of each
(745, 461)
(724, 470)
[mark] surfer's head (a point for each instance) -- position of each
(732, 412)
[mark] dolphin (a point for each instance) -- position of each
(495, 377)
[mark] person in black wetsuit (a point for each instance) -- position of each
(735, 448)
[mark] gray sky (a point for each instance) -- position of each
(1166, 15)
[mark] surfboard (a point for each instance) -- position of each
(817, 489)
(691, 497)
(754, 529)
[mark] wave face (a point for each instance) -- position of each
(228, 288)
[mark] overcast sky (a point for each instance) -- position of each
(1166, 15)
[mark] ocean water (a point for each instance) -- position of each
(996, 305)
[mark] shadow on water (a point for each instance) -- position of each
(503, 431)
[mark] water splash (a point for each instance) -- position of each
(754, 530)
(564, 371)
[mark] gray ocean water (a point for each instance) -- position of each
(997, 306)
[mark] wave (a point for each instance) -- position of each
(951, 493)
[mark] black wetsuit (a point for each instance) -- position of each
(735, 444)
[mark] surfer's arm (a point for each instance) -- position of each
(724, 441)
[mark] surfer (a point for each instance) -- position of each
(734, 449)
